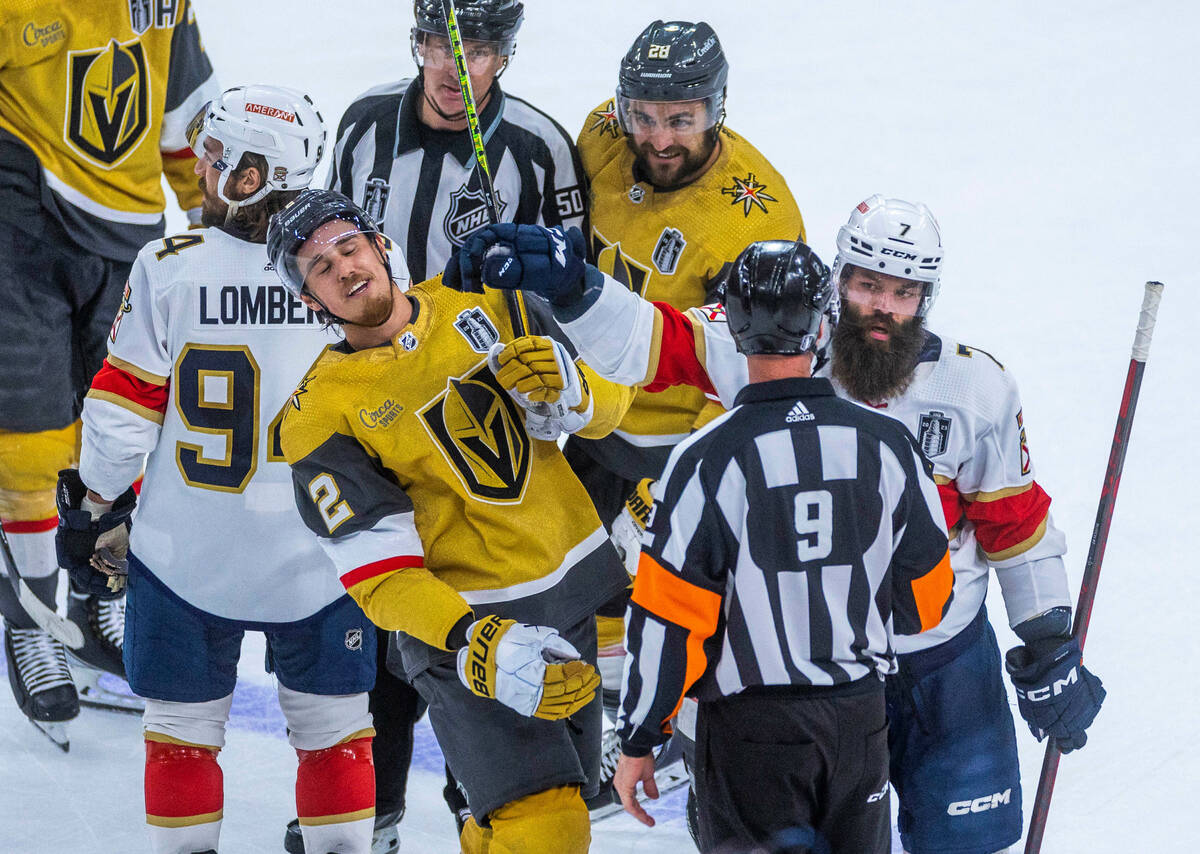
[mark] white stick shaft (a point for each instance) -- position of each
(1145, 327)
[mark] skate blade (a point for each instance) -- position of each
(103, 691)
(56, 731)
(668, 778)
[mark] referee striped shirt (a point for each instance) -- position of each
(421, 186)
(789, 539)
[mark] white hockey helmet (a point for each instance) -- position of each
(280, 124)
(895, 237)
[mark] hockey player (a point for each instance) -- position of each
(94, 98)
(202, 358)
(404, 154)
(452, 525)
(675, 195)
(952, 736)
(791, 537)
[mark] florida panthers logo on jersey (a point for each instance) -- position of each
(108, 101)
(476, 426)
(126, 307)
(934, 433)
(468, 212)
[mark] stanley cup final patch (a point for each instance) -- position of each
(375, 198)
(477, 328)
(140, 12)
(667, 251)
(934, 433)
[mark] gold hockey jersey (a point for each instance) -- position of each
(668, 247)
(413, 467)
(95, 97)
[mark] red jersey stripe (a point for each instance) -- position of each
(380, 567)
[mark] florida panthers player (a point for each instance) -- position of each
(202, 359)
(951, 732)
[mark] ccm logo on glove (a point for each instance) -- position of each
(1037, 695)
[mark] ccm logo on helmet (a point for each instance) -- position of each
(903, 256)
(987, 802)
(1037, 695)
(272, 112)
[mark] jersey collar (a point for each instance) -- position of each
(784, 390)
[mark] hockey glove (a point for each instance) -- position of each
(631, 523)
(534, 258)
(92, 540)
(530, 669)
(540, 375)
(1056, 695)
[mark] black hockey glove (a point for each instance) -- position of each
(533, 258)
(1056, 695)
(92, 551)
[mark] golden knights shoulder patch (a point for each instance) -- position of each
(749, 192)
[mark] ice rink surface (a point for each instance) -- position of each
(1056, 143)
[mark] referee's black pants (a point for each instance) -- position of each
(794, 770)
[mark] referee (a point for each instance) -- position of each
(790, 538)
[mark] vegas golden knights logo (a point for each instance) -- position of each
(479, 431)
(611, 260)
(108, 110)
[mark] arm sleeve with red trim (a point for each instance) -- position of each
(1010, 512)
(922, 580)
(190, 84)
(364, 520)
(123, 411)
(675, 612)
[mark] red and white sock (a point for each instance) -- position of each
(335, 796)
(184, 796)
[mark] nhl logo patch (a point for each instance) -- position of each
(375, 198)
(636, 193)
(468, 212)
(934, 433)
(354, 640)
(475, 326)
(408, 341)
(667, 251)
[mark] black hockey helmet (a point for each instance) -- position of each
(291, 228)
(674, 61)
(777, 293)
(478, 20)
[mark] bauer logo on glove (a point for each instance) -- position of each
(530, 669)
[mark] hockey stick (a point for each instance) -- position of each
(1091, 570)
(513, 299)
(50, 621)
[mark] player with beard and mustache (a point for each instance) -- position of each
(675, 196)
(951, 734)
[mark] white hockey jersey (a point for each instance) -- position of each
(962, 406)
(205, 351)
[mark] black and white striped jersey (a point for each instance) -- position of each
(789, 539)
(421, 184)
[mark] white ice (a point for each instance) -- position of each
(1057, 143)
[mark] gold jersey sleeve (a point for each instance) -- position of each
(668, 246)
(418, 435)
(100, 91)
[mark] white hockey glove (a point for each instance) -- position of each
(530, 669)
(541, 376)
(630, 524)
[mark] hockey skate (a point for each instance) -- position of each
(385, 840)
(97, 666)
(41, 682)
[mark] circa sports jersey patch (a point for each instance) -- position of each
(479, 431)
(934, 433)
(667, 251)
(126, 307)
(475, 326)
(749, 192)
(468, 212)
(383, 415)
(606, 120)
(375, 198)
(108, 109)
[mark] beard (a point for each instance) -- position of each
(376, 311)
(671, 177)
(212, 210)
(873, 371)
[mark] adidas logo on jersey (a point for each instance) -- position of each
(798, 413)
